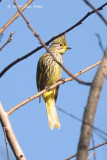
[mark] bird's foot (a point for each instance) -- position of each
(62, 79)
(47, 88)
(39, 99)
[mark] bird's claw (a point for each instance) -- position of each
(47, 88)
(62, 79)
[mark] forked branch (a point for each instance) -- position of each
(9, 39)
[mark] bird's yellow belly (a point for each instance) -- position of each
(53, 76)
(48, 96)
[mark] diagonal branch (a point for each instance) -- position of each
(99, 14)
(4, 119)
(90, 109)
(9, 39)
(93, 144)
(79, 22)
(48, 42)
(100, 42)
(47, 89)
(5, 136)
(88, 150)
(1, 35)
(93, 153)
(15, 16)
(96, 129)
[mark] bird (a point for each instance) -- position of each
(48, 73)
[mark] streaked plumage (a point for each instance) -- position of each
(48, 73)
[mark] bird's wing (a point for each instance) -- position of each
(56, 93)
(39, 77)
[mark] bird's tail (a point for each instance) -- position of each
(52, 114)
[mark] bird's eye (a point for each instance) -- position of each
(60, 44)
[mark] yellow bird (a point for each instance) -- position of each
(48, 73)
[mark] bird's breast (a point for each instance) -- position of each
(52, 71)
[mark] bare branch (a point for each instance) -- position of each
(99, 14)
(48, 42)
(4, 119)
(83, 71)
(5, 136)
(78, 23)
(90, 109)
(88, 150)
(100, 42)
(96, 129)
(97, 146)
(15, 16)
(91, 155)
(93, 144)
(51, 87)
(9, 39)
(1, 35)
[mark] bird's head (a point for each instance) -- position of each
(60, 44)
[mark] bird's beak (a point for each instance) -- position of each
(69, 48)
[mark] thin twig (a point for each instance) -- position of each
(97, 146)
(93, 153)
(1, 35)
(99, 133)
(9, 39)
(4, 129)
(99, 14)
(93, 144)
(78, 23)
(15, 16)
(100, 42)
(90, 109)
(49, 41)
(96, 129)
(51, 87)
(88, 150)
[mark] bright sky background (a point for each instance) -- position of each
(30, 122)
